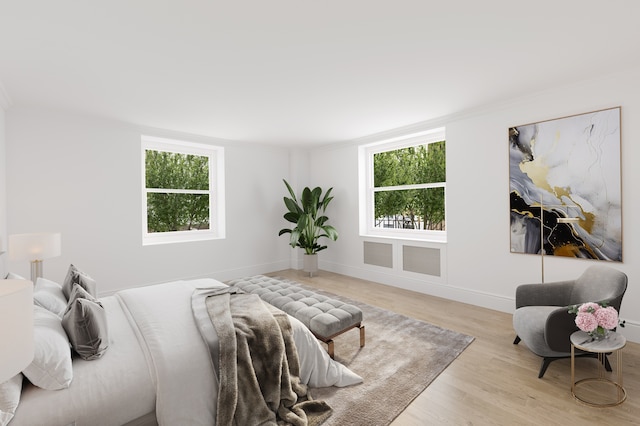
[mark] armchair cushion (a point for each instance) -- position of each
(552, 294)
(530, 323)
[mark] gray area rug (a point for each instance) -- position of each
(401, 357)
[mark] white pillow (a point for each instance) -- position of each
(51, 366)
(48, 294)
(9, 398)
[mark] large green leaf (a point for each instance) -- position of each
(293, 194)
(306, 200)
(292, 206)
(292, 217)
(331, 232)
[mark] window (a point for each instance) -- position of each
(403, 187)
(183, 191)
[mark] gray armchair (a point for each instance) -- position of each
(542, 321)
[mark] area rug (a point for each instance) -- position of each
(401, 357)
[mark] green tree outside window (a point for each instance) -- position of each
(409, 188)
(177, 191)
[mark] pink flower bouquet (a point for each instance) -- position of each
(595, 319)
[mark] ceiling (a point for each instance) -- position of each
(299, 72)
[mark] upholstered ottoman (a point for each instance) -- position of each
(325, 317)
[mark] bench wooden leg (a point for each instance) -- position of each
(330, 348)
(330, 343)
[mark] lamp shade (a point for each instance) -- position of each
(16, 327)
(33, 247)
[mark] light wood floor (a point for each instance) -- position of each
(493, 382)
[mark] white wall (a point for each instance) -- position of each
(3, 190)
(479, 267)
(81, 176)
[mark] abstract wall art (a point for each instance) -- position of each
(565, 186)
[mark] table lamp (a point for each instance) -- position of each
(16, 327)
(34, 248)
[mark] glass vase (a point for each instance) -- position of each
(600, 334)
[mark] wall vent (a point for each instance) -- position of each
(423, 260)
(379, 254)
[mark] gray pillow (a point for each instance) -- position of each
(85, 322)
(76, 276)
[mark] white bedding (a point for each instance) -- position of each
(186, 383)
(97, 386)
(157, 358)
(164, 315)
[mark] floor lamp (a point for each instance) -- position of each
(559, 220)
(34, 248)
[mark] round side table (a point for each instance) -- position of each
(613, 343)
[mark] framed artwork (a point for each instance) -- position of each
(565, 186)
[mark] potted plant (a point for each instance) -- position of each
(307, 213)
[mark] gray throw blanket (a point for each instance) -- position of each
(257, 364)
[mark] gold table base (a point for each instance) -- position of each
(621, 392)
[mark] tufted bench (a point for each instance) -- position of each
(325, 317)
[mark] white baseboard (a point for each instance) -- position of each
(464, 295)
(412, 282)
(631, 331)
(229, 274)
(222, 275)
(422, 284)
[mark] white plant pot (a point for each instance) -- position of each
(310, 263)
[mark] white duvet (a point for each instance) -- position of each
(186, 383)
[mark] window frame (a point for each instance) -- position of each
(216, 192)
(367, 190)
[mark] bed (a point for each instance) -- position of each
(157, 368)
